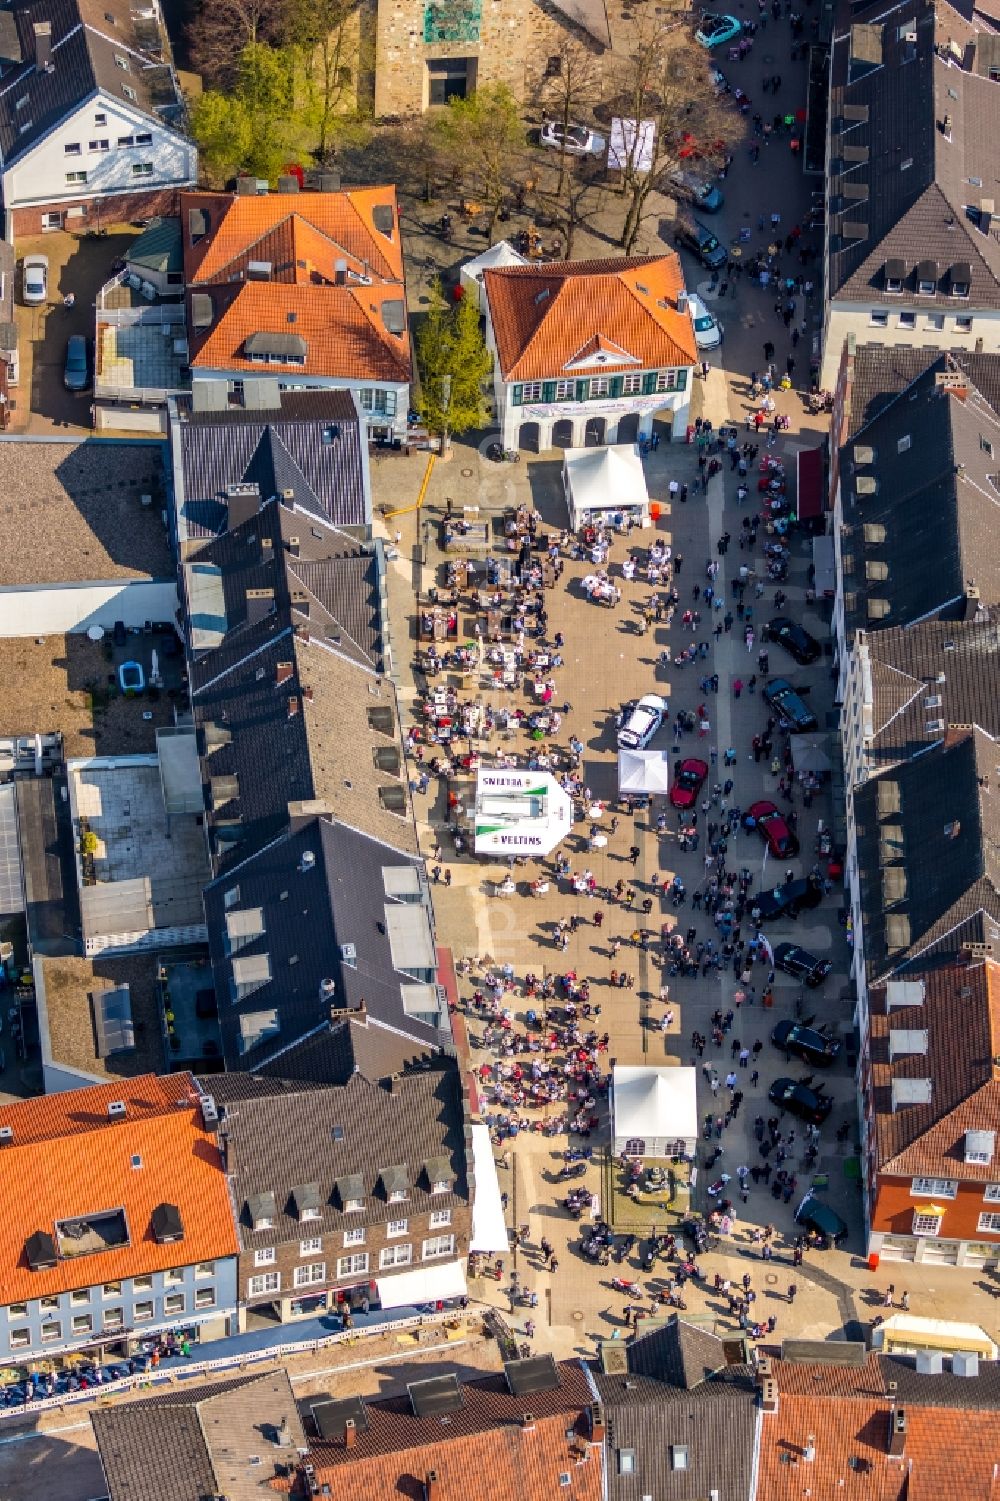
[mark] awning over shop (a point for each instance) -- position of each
(809, 504)
(598, 481)
(520, 812)
(426, 1285)
(643, 771)
(489, 1229)
(900, 1332)
(824, 567)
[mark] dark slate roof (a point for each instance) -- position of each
(889, 98)
(956, 663)
(940, 813)
(311, 907)
(350, 1046)
(715, 1422)
(83, 65)
(679, 1353)
(189, 1445)
(880, 372)
(944, 1389)
(277, 1139)
(921, 544)
(291, 447)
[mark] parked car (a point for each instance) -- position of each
(788, 900)
(716, 28)
(576, 140)
(806, 1043)
(804, 966)
(794, 638)
(642, 722)
(808, 1104)
(692, 187)
(705, 245)
(687, 783)
(770, 823)
(817, 1216)
(707, 332)
(35, 284)
(76, 371)
(791, 709)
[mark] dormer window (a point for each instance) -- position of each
(960, 289)
(353, 1206)
(397, 1196)
(893, 284)
(440, 1188)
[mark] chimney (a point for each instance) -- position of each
(769, 1394)
(307, 695)
(43, 45)
(809, 1452)
(294, 546)
(350, 1434)
(283, 673)
(597, 1426)
(293, 706)
(432, 1486)
(528, 1422)
(897, 1430)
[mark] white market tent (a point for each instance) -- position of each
(654, 1111)
(632, 145)
(489, 1228)
(471, 274)
(599, 481)
(644, 771)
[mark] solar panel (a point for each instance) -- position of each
(536, 1374)
(439, 1394)
(113, 1021)
(11, 891)
(331, 1417)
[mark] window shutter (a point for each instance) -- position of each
(548, 390)
(516, 395)
(649, 383)
(680, 380)
(582, 390)
(617, 385)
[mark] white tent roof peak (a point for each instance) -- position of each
(650, 1102)
(605, 478)
(500, 254)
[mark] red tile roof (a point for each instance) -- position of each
(589, 317)
(306, 240)
(485, 1451)
(342, 327)
(961, 1016)
(946, 1451)
(78, 1162)
(320, 227)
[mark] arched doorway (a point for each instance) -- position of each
(528, 435)
(594, 433)
(628, 428)
(562, 433)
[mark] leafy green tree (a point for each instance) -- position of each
(257, 126)
(454, 366)
(484, 138)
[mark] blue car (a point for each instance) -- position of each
(716, 29)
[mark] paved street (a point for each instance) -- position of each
(606, 661)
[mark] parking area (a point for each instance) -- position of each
(78, 266)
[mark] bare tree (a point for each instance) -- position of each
(568, 90)
(220, 31)
(664, 94)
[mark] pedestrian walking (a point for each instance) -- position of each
(792, 1290)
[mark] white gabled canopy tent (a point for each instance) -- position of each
(654, 1111)
(601, 480)
(644, 771)
(471, 274)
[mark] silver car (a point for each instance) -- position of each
(575, 140)
(36, 279)
(642, 722)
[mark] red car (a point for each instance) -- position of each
(770, 823)
(687, 783)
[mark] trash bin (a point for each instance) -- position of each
(654, 510)
(873, 1261)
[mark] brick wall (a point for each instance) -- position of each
(119, 209)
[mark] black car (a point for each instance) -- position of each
(800, 963)
(806, 1043)
(787, 900)
(819, 1217)
(794, 638)
(791, 709)
(808, 1104)
(705, 245)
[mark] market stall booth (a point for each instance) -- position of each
(644, 772)
(605, 486)
(519, 812)
(654, 1111)
(471, 274)
(810, 497)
